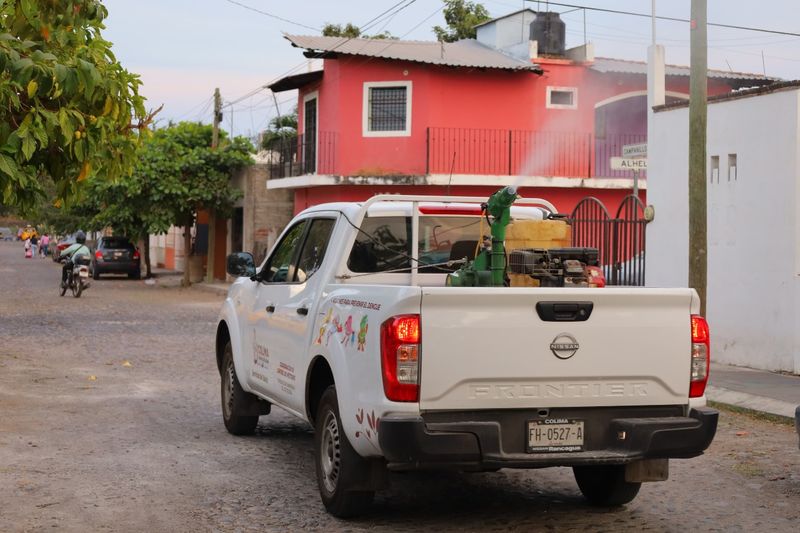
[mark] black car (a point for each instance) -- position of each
(797, 422)
(115, 255)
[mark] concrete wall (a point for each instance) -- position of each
(266, 212)
(753, 295)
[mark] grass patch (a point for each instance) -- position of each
(751, 413)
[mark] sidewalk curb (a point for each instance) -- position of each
(751, 402)
(216, 288)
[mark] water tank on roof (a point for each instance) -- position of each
(550, 32)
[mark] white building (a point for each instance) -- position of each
(753, 177)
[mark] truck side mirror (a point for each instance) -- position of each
(241, 264)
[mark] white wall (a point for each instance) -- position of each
(753, 264)
(508, 33)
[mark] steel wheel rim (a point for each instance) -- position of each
(330, 453)
(227, 391)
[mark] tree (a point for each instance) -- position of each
(68, 109)
(177, 174)
(461, 17)
(280, 128)
(351, 31)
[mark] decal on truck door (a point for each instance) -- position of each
(362, 334)
(260, 368)
(368, 431)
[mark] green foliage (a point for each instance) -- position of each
(351, 31)
(461, 17)
(280, 128)
(176, 175)
(66, 103)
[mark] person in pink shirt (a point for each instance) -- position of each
(43, 242)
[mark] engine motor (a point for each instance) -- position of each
(558, 267)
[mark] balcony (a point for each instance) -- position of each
(472, 151)
(303, 154)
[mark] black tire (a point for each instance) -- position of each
(605, 485)
(95, 274)
(62, 289)
(77, 288)
(342, 474)
(235, 399)
(134, 275)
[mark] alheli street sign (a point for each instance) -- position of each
(628, 163)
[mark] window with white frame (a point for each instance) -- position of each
(387, 109)
(714, 176)
(562, 98)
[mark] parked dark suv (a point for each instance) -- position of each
(115, 255)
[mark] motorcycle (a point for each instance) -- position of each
(77, 276)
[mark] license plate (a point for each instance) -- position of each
(117, 255)
(555, 435)
(84, 273)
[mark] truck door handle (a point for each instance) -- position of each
(302, 311)
(270, 309)
(564, 311)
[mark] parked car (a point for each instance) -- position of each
(6, 234)
(59, 245)
(115, 255)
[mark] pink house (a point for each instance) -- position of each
(511, 107)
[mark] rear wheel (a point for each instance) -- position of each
(235, 400)
(342, 474)
(77, 288)
(605, 485)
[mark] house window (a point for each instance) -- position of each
(387, 109)
(731, 167)
(714, 169)
(562, 98)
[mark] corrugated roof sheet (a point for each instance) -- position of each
(296, 81)
(464, 53)
(624, 66)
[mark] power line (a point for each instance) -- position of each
(265, 13)
(674, 19)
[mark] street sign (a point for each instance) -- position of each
(628, 163)
(634, 150)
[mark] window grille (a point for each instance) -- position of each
(387, 108)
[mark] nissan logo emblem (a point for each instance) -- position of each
(564, 346)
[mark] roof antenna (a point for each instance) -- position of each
(729, 65)
(763, 64)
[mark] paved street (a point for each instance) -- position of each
(110, 421)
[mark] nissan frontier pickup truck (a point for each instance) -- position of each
(461, 333)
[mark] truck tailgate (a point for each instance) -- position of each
(488, 348)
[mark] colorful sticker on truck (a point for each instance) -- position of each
(369, 427)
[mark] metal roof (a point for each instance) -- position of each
(465, 53)
(296, 81)
(625, 66)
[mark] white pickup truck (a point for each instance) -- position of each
(352, 323)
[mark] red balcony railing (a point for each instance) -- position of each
(523, 153)
(303, 154)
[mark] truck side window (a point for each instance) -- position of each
(381, 245)
(314, 248)
(279, 267)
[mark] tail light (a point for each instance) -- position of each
(701, 356)
(400, 346)
(98, 255)
(136, 254)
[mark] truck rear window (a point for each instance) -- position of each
(384, 243)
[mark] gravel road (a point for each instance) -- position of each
(110, 421)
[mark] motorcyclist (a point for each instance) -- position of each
(70, 255)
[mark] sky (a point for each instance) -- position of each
(183, 49)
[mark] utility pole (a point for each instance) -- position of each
(212, 218)
(698, 224)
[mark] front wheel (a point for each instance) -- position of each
(235, 399)
(605, 485)
(77, 287)
(342, 474)
(63, 288)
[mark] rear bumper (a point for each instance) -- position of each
(454, 441)
(112, 267)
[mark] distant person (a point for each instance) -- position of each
(43, 244)
(34, 243)
(28, 253)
